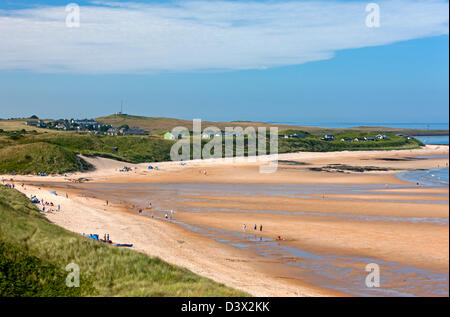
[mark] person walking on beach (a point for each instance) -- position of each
(244, 227)
(260, 228)
(59, 207)
(254, 228)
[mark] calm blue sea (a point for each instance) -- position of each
(430, 126)
(433, 139)
(432, 177)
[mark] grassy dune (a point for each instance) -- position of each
(37, 157)
(35, 252)
(129, 148)
(29, 153)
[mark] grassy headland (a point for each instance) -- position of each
(312, 143)
(161, 124)
(35, 252)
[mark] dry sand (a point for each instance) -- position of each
(421, 245)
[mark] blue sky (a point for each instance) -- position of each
(255, 63)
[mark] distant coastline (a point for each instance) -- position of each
(343, 125)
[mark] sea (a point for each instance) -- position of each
(422, 126)
(433, 139)
(435, 177)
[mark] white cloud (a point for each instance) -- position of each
(204, 35)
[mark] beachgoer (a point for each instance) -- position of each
(260, 228)
(140, 211)
(254, 228)
(244, 226)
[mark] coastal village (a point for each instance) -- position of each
(97, 128)
(87, 125)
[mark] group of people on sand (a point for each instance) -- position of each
(47, 206)
(255, 227)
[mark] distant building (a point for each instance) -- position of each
(328, 137)
(292, 136)
(33, 123)
(62, 126)
(134, 131)
(85, 124)
(112, 131)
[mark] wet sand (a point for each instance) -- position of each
(331, 224)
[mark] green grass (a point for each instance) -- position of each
(134, 149)
(312, 143)
(29, 153)
(35, 252)
(138, 149)
(36, 158)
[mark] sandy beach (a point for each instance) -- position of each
(320, 226)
